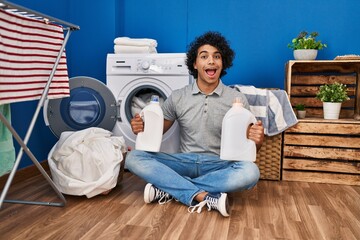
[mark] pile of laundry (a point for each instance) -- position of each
(134, 45)
(141, 101)
(87, 162)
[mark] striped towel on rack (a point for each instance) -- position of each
(28, 51)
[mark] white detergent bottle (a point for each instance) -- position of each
(150, 139)
(235, 146)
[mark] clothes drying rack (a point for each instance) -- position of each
(68, 27)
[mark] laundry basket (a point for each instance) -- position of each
(87, 162)
(122, 168)
(269, 157)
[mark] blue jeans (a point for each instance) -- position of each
(184, 175)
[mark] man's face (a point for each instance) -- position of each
(208, 64)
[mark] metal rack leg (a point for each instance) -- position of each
(16, 164)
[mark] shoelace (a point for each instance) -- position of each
(210, 202)
(162, 196)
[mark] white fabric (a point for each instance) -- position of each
(135, 41)
(86, 162)
(134, 45)
(118, 49)
(141, 101)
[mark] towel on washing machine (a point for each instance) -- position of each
(135, 41)
(134, 45)
(86, 162)
(118, 49)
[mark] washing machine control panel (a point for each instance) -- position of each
(161, 66)
(170, 63)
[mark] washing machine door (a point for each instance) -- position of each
(91, 104)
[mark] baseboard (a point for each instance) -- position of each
(24, 173)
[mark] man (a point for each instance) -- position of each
(196, 176)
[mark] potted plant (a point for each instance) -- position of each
(306, 46)
(332, 96)
(300, 108)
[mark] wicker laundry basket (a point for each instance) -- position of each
(269, 158)
(122, 168)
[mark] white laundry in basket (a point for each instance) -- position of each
(86, 162)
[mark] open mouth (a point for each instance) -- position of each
(210, 72)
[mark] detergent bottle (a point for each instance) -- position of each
(235, 146)
(150, 139)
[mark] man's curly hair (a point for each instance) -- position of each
(216, 40)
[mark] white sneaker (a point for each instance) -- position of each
(218, 202)
(153, 194)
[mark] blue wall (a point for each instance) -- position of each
(258, 31)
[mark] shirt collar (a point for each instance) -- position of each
(218, 90)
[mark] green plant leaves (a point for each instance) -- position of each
(336, 92)
(306, 41)
(300, 107)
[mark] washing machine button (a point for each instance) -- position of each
(145, 65)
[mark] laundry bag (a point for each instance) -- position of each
(86, 162)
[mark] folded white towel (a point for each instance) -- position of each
(134, 49)
(135, 41)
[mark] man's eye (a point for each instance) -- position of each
(203, 57)
(218, 56)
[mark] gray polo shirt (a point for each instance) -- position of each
(200, 116)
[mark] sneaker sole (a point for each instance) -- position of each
(223, 205)
(147, 193)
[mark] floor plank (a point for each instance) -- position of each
(271, 210)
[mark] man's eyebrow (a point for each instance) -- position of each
(203, 52)
(217, 52)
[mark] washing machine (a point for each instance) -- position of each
(129, 77)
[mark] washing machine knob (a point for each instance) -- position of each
(145, 65)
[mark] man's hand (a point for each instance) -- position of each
(256, 133)
(137, 124)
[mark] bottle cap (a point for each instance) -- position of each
(237, 102)
(154, 98)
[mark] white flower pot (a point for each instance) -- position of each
(305, 54)
(301, 114)
(331, 110)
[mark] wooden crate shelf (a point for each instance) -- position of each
(303, 79)
(322, 151)
(319, 150)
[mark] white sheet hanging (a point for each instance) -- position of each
(28, 51)
(86, 162)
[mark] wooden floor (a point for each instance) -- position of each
(272, 210)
